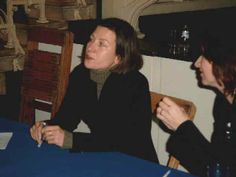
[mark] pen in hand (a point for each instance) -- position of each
(44, 125)
(167, 173)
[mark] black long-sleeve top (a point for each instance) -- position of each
(120, 120)
(195, 152)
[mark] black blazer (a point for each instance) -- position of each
(120, 120)
(195, 152)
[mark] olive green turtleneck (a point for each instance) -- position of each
(99, 77)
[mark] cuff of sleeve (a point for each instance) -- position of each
(181, 129)
(68, 140)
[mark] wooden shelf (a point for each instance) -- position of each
(6, 59)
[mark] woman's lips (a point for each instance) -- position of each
(87, 57)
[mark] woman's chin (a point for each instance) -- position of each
(88, 64)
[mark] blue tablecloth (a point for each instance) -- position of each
(23, 158)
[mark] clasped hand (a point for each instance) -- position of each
(51, 134)
(171, 114)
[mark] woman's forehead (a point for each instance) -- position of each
(104, 33)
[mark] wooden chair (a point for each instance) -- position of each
(45, 74)
(189, 107)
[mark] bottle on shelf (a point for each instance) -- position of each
(184, 41)
(173, 46)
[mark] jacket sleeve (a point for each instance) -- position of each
(137, 127)
(136, 133)
(194, 151)
(67, 116)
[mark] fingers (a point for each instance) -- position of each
(163, 115)
(53, 135)
(169, 106)
(36, 132)
(169, 101)
(164, 107)
(171, 114)
(160, 112)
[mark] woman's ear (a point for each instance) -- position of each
(117, 59)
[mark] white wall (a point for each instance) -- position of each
(168, 76)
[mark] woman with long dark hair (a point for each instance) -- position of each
(216, 68)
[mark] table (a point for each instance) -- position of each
(23, 158)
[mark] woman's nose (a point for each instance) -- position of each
(197, 62)
(90, 46)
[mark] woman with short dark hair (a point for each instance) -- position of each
(109, 94)
(126, 45)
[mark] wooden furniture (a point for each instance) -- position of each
(68, 10)
(190, 109)
(8, 62)
(45, 74)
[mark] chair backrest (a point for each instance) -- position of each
(46, 73)
(190, 109)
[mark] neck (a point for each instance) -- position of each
(100, 70)
(230, 98)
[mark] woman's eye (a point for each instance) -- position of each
(101, 44)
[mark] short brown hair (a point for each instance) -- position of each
(127, 47)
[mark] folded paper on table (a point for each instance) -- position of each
(4, 139)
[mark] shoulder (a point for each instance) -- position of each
(132, 81)
(138, 80)
(135, 77)
(79, 70)
(79, 74)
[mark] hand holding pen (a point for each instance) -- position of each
(44, 124)
(53, 134)
(36, 132)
